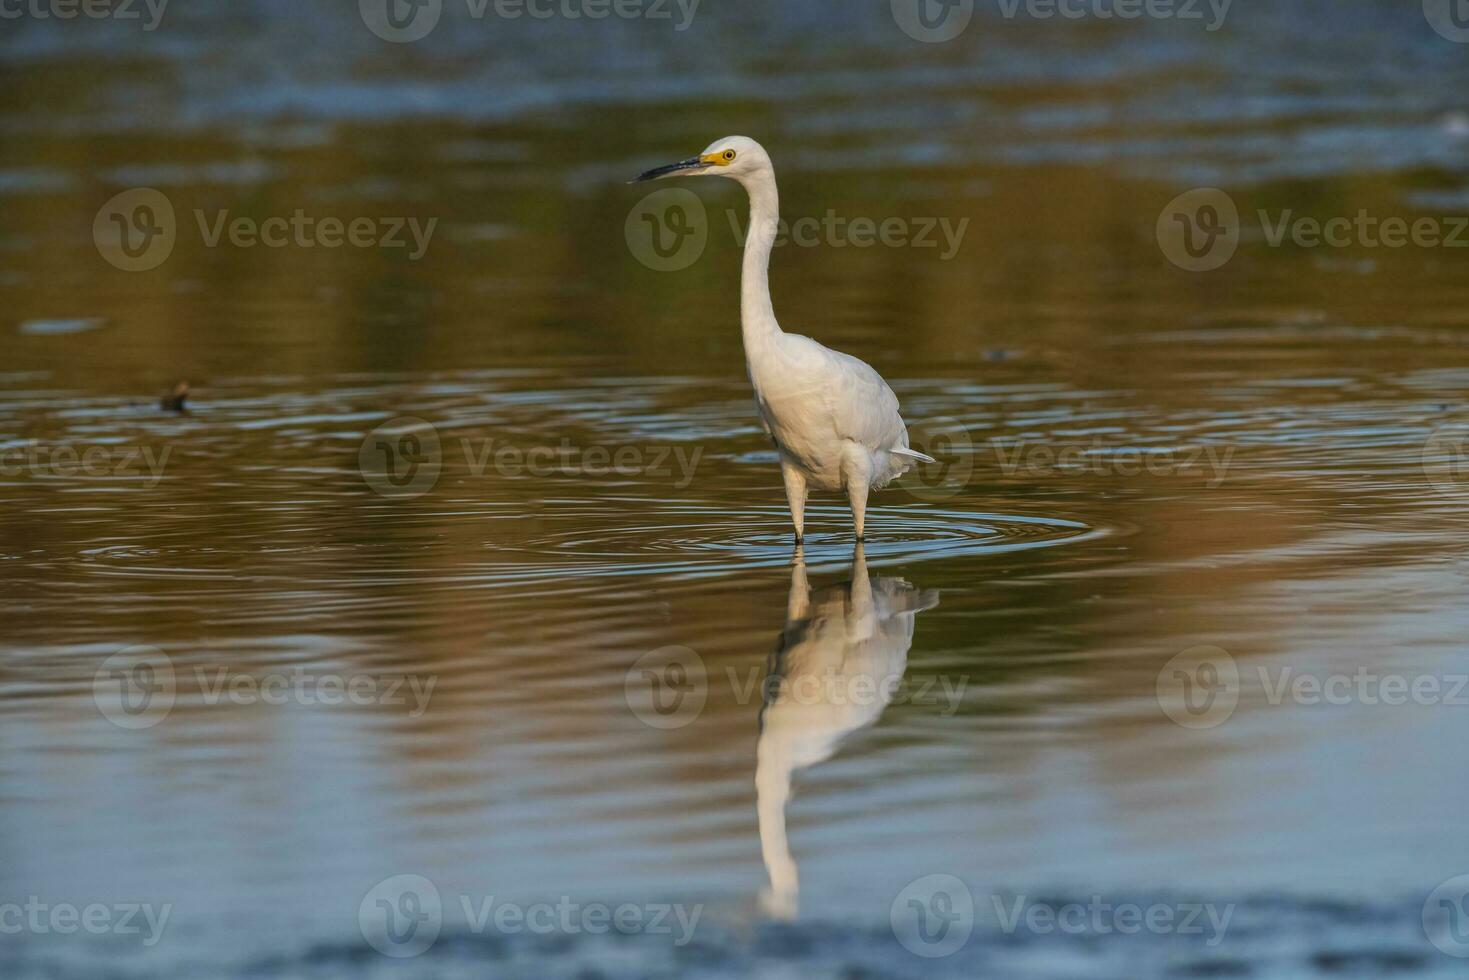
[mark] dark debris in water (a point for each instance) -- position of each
(1216, 968)
(175, 400)
(1370, 963)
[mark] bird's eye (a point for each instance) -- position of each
(729, 154)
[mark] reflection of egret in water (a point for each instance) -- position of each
(841, 657)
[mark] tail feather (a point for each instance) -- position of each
(912, 454)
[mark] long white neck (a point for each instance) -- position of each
(757, 316)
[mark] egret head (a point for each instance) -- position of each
(736, 157)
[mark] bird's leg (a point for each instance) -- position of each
(857, 493)
(858, 473)
(795, 495)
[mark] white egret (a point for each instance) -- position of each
(833, 419)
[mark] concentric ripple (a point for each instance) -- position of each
(702, 539)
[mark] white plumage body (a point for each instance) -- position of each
(829, 414)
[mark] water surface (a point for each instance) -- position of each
(1262, 459)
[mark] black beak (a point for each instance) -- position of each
(692, 163)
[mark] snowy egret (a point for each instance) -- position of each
(841, 656)
(833, 419)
